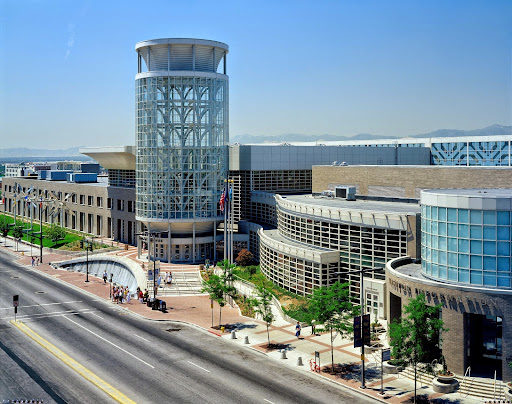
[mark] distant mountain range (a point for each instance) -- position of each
(73, 152)
(493, 130)
(26, 152)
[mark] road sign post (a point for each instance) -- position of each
(385, 356)
(15, 304)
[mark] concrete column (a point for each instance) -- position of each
(215, 242)
(169, 242)
(194, 242)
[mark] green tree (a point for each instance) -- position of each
(416, 337)
(219, 287)
(4, 228)
(244, 257)
(17, 233)
(263, 307)
(332, 306)
(56, 233)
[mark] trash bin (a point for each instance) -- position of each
(156, 304)
(163, 305)
(149, 302)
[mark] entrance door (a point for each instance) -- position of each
(485, 345)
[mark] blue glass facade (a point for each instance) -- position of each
(467, 246)
(490, 153)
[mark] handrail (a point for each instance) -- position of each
(464, 379)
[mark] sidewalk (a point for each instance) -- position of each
(196, 310)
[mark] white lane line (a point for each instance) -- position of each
(138, 336)
(111, 343)
(268, 401)
(47, 314)
(94, 314)
(192, 363)
(44, 304)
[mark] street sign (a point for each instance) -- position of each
(15, 301)
(357, 332)
(386, 355)
(150, 274)
(365, 329)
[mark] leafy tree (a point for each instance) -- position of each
(332, 306)
(416, 337)
(4, 228)
(17, 233)
(56, 233)
(263, 307)
(219, 287)
(245, 257)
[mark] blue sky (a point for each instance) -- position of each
(389, 68)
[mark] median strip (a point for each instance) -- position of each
(77, 367)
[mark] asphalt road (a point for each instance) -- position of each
(147, 361)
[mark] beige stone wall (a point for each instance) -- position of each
(410, 177)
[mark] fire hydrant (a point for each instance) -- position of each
(222, 329)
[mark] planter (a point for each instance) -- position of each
(378, 328)
(444, 384)
(508, 393)
(388, 368)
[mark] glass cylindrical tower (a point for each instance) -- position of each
(182, 137)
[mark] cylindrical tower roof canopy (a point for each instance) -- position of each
(182, 54)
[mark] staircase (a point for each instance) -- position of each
(475, 387)
(183, 283)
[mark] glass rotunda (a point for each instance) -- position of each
(182, 138)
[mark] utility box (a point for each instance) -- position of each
(345, 192)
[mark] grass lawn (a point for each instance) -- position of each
(70, 242)
(293, 305)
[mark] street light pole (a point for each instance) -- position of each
(87, 263)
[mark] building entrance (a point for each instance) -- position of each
(484, 336)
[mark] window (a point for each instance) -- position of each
(90, 199)
(120, 205)
(99, 202)
(82, 199)
(109, 203)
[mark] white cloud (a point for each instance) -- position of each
(71, 39)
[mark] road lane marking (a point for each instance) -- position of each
(138, 336)
(111, 343)
(48, 314)
(73, 364)
(268, 401)
(94, 314)
(43, 304)
(192, 363)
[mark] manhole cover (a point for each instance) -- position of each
(173, 329)
(40, 292)
(15, 277)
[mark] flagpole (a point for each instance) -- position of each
(225, 224)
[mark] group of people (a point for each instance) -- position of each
(35, 261)
(121, 294)
(143, 297)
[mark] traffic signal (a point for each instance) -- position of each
(81, 243)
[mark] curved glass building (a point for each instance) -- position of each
(466, 236)
(182, 136)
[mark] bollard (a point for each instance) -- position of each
(233, 334)
(283, 354)
(246, 341)
(299, 361)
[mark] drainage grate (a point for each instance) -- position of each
(40, 292)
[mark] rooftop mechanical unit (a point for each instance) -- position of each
(345, 192)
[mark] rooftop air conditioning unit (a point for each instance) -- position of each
(345, 192)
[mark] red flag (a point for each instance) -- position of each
(222, 200)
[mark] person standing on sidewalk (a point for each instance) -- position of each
(313, 327)
(297, 330)
(105, 276)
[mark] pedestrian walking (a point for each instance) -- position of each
(105, 276)
(33, 260)
(169, 278)
(313, 327)
(297, 330)
(128, 295)
(141, 297)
